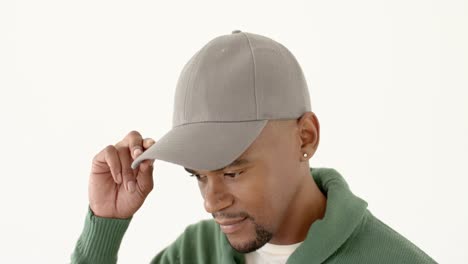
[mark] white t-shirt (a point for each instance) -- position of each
(271, 254)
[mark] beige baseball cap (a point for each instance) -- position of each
(225, 95)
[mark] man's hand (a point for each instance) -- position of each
(116, 190)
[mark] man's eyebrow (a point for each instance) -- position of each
(237, 162)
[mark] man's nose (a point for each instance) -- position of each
(216, 197)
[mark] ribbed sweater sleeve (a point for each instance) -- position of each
(100, 239)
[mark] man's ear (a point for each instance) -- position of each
(309, 131)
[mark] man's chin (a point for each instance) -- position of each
(245, 246)
(249, 238)
(245, 243)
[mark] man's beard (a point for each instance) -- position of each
(262, 236)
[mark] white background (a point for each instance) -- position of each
(388, 82)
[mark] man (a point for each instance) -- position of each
(243, 126)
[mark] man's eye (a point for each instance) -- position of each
(232, 174)
(195, 175)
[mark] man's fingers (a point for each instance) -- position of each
(135, 142)
(127, 171)
(145, 176)
(108, 158)
(148, 142)
(145, 170)
(114, 163)
(129, 149)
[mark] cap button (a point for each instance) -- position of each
(236, 31)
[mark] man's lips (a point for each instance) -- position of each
(230, 222)
(231, 225)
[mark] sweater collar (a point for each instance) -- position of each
(344, 212)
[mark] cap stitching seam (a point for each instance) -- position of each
(195, 64)
(186, 87)
(255, 74)
(295, 63)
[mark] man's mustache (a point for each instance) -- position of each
(227, 215)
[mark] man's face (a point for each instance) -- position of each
(250, 200)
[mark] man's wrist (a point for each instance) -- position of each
(101, 238)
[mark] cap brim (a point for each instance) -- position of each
(204, 146)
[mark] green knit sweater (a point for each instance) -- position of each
(348, 233)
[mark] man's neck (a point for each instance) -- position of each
(308, 206)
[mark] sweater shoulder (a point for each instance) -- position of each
(376, 242)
